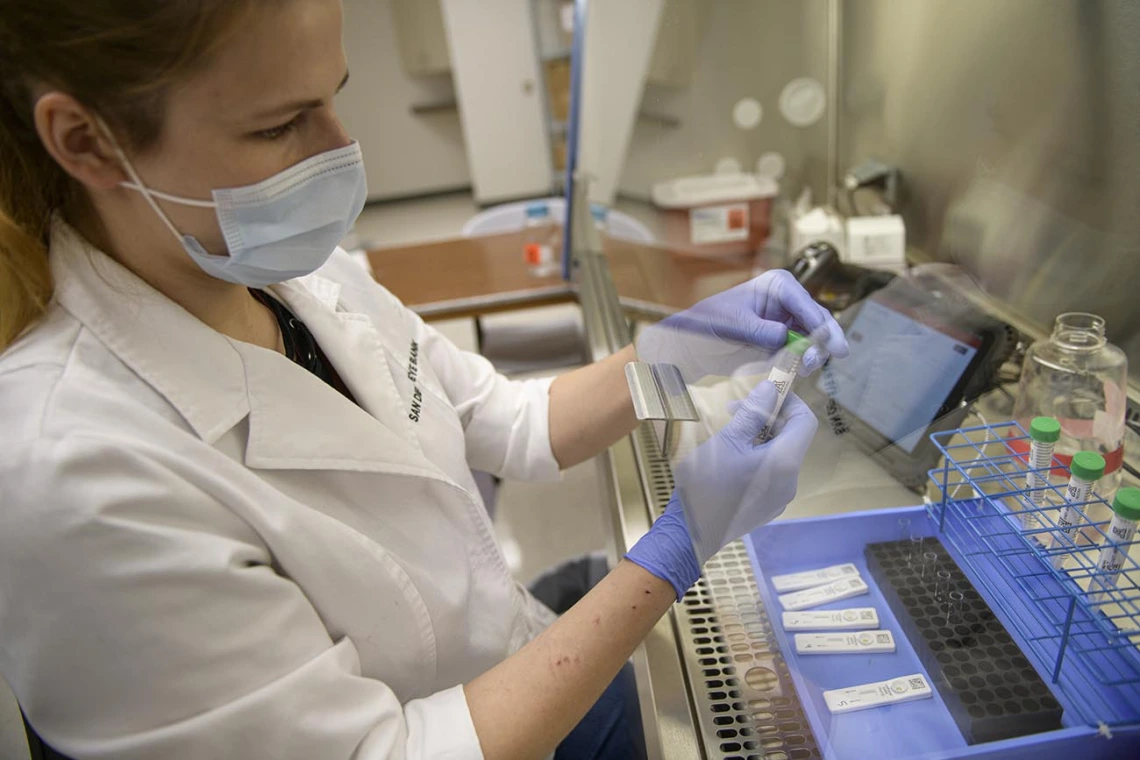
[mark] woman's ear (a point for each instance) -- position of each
(74, 137)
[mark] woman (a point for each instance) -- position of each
(236, 510)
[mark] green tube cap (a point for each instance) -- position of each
(1087, 465)
(1127, 503)
(798, 344)
(1045, 430)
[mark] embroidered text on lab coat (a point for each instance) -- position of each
(413, 374)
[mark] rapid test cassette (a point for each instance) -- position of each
(832, 592)
(878, 694)
(854, 619)
(863, 642)
(812, 578)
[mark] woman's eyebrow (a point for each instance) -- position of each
(299, 105)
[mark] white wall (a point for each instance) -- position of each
(620, 38)
(404, 153)
(749, 48)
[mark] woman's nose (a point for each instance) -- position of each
(333, 131)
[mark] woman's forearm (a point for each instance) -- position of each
(590, 408)
(526, 705)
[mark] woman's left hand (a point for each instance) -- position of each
(742, 325)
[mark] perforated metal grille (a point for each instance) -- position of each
(746, 704)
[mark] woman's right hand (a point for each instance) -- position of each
(727, 487)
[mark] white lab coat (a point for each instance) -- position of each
(207, 552)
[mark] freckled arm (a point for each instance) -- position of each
(526, 705)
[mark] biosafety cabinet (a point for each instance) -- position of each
(921, 597)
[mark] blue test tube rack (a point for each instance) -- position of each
(1086, 629)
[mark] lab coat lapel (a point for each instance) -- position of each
(354, 346)
(296, 421)
(329, 431)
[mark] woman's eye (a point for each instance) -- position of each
(274, 133)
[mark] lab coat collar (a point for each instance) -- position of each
(214, 382)
(195, 368)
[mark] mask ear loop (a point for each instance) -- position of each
(139, 186)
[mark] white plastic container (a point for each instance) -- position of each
(877, 242)
(717, 214)
(819, 225)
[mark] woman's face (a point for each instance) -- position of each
(263, 104)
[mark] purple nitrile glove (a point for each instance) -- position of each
(741, 326)
(727, 487)
(667, 550)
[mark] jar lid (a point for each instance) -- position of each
(1045, 429)
(1127, 503)
(1087, 465)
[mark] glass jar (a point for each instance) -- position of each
(1078, 377)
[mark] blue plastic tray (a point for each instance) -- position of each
(922, 729)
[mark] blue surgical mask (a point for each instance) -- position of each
(284, 227)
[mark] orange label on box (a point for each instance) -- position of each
(718, 224)
(738, 218)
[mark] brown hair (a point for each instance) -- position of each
(117, 57)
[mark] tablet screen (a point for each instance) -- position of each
(900, 372)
